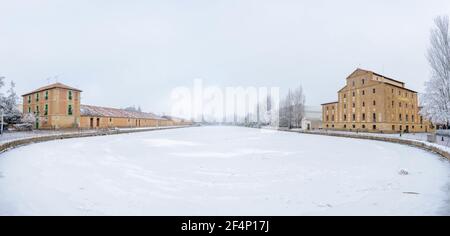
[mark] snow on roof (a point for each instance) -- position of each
(87, 110)
(51, 86)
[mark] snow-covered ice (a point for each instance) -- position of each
(222, 171)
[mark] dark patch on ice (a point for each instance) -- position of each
(324, 205)
(403, 172)
(414, 193)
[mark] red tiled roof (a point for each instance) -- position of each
(87, 110)
(51, 86)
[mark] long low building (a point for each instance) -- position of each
(58, 106)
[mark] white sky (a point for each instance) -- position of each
(124, 53)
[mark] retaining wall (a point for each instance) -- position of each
(24, 141)
(415, 143)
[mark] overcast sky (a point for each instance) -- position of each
(124, 53)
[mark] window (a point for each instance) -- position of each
(364, 104)
(353, 83)
(354, 117)
(345, 105)
(327, 118)
(392, 91)
(399, 104)
(364, 116)
(69, 110)
(29, 109)
(363, 92)
(46, 95)
(345, 117)
(421, 120)
(70, 95)
(37, 97)
(46, 110)
(29, 99)
(363, 126)
(374, 103)
(362, 81)
(110, 120)
(400, 117)
(392, 104)
(374, 117)
(393, 127)
(374, 127)
(412, 118)
(37, 110)
(373, 91)
(332, 118)
(345, 126)
(406, 117)
(353, 94)
(353, 104)
(354, 126)
(345, 95)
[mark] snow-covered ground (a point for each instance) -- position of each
(222, 171)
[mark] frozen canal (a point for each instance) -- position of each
(222, 171)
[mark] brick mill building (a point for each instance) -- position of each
(370, 102)
(57, 106)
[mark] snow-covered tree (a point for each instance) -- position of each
(28, 118)
(298, 103)
(436, 99)
(286, 111)
(8, 104)
(292, 108)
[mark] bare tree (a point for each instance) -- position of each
(298, 106)
(286, 111)
(436, 100)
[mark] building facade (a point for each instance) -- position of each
(58, 106)
(55, 106)
(370, 102)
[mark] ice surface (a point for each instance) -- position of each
(222, 171)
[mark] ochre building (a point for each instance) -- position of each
(57, 106)
(370, 102)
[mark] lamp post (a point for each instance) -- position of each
(1, 126)
(1, 131)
